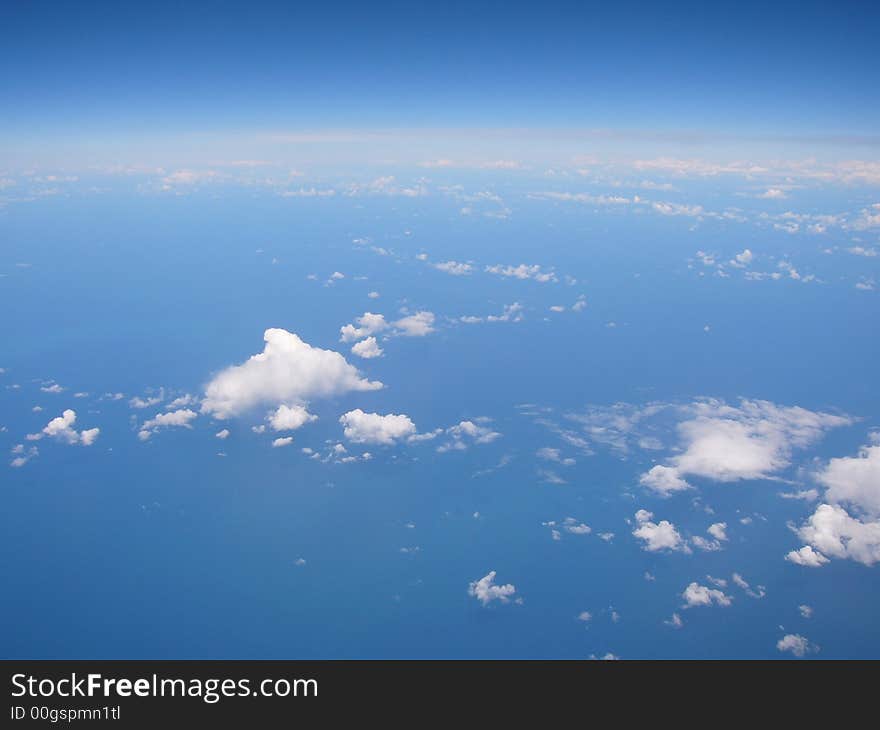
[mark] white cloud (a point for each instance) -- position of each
(373, 428)
(807, 557)
(728, 443)
(832, 531)
(222, 435)
(854, 480)
(664, 480)
(415, 325)
(367, 324)
(805, 611)
(367, 349)
(283, 441)
(287, 371)
(61, 428)
(88, 436)
(173, 419)
(718, 530)
(148, 401)
(290, 418)
(468, 431)
(456, 268)
(798, 645)
(658, 536)
(847, 525)
(485, 590)
(523, 271)
(698, 595)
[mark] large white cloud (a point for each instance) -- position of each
(727, 443)
(855, 480)
(847, 524)
(61, 428)
(658, 536)
(832, 531)
(374, 428)
(287, 371)
(290, 418)
(485, 590)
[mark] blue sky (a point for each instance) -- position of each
(745, 67)
(511, 331)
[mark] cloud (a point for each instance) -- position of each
(485, 590)
(664, 480)
(415, 325)
(290, 418)
(455, 268)
(288, 371)
(148, 401)
(373, 428)
(854, 480)
(367, 324)
(658, 536)
(730, 443)
(698, 595)
(22, 455)
(173, 419)
(798, 645)
(468, 431)
(807, 557)
(222, 435)
(523, 271)
(847, 524)
(61, 429)
(832, 531)
(283, 441)
(718, 531)
(367, 349)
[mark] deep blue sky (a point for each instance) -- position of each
(786, 68)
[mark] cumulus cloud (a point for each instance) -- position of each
(61, 429)
(718, 530)
(798, 645)
(283, 441)
(847, 524)
(727, 443)
(832, 531)
(658, 536)
(288, 371)
(807, 557)
(699, 595)
(373, 428)
(465, 432)
(367, 324)
(664, 480)
(290, 418)
(173, 419)
(415, 325)
(223, 434)
(854, 480)
(485, 590)
(367, 349)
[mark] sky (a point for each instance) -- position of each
(408, 331)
